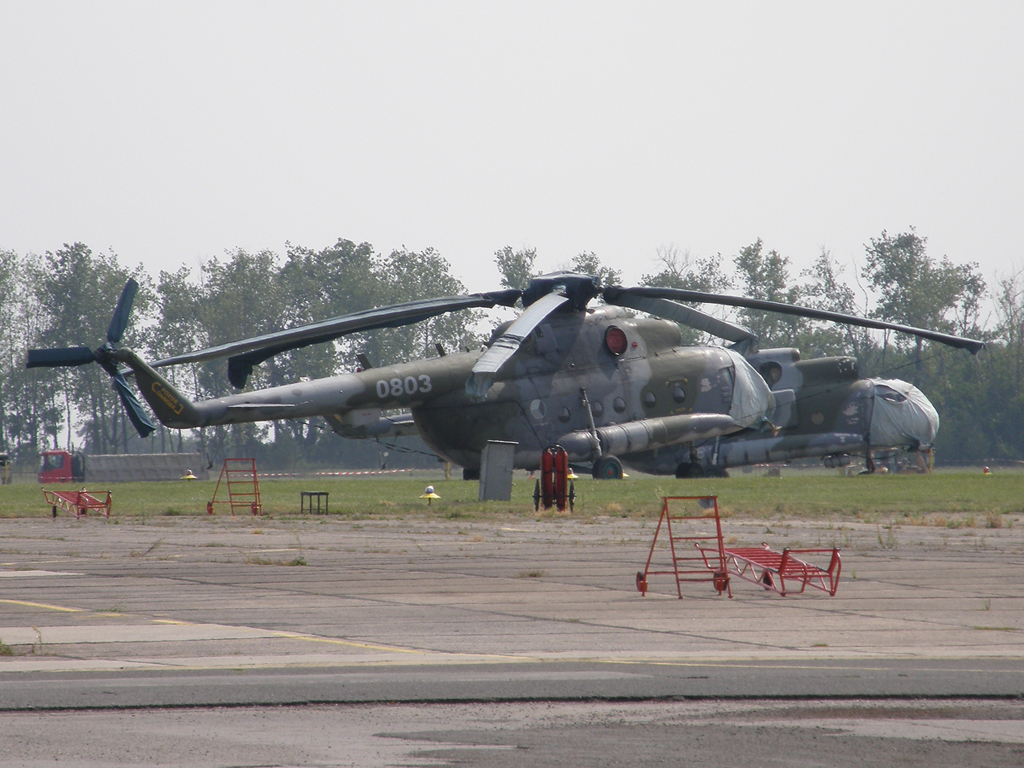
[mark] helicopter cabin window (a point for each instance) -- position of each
(771, 372)
(564, 415)
(619, 405)
(615, 340)
(650, 400)
(597, 409)
(678, 393)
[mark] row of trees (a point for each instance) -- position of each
(65, 298)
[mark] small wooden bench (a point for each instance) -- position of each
(772, 570)
(78, 503)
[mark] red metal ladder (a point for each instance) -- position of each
(243, 487)
(696, 547)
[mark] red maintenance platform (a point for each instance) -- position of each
(78, 503)
(693, 527)
(243, 487)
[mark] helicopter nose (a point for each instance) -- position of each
(902, 415)
(752, 400)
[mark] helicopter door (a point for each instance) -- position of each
(785, 415)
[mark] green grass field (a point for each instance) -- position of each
(953, 499)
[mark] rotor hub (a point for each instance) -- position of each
(579, 289)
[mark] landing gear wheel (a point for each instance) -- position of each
(688, 471)
(607, 468)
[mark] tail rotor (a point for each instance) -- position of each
(75, 356)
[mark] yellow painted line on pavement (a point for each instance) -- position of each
(348, 643)
(315, 639)
(43, 605)
(292, 636)
(388, 648)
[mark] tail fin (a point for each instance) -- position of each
(170, 406)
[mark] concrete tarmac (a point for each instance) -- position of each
(511, 615)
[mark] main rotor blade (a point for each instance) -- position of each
(56, 358)
(122, 311)
(506, 345)
(394, 316)
(136, 414)
(971, 345)
(680, 313)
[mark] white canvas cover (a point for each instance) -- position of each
(752, 400)
(902, 415)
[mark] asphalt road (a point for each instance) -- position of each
(526, 681)
(147, 622)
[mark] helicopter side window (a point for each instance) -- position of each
(597, 409)
(564, 415)
(650, 400)
(679, 394)
(619, 405)
(771, 372)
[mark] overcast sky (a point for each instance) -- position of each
(172, 132)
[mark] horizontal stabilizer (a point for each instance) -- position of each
(370, 423)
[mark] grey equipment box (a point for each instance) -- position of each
(496, 470)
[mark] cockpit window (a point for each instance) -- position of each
(726, 380)
(890, 394)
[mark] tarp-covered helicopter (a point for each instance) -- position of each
(822, 409)
(608, 386)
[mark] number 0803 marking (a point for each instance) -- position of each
(397, 387)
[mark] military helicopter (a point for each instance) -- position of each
(607, 386)
(823, 409)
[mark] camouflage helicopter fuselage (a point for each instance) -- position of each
(599, 382)
(567, 386)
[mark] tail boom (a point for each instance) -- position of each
(170, 406)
